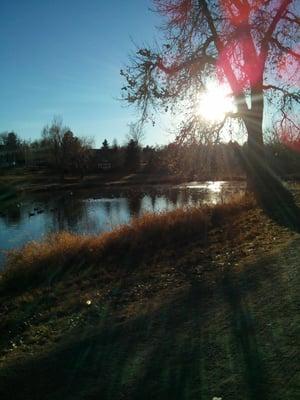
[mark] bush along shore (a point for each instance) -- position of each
(191, 304)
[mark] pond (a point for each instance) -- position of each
(34, 216)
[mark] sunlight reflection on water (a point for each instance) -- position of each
(210, 185)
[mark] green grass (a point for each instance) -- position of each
(186, 305)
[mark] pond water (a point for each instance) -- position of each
(33, 217)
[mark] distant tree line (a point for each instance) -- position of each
(60, 151)
(11, 149)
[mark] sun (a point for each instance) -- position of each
(213, 104)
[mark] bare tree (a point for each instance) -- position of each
(136, 133)
(66, 150)
(53, 137)
(249, 44)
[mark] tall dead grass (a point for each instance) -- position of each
(45, 262)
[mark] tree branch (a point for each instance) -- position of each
(294, 96)
(279, 14)
(201, 60)
(240, 97)
(285, 49)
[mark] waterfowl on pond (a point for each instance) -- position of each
(31, 214)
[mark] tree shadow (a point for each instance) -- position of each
(143, 358)
(279, 203)
(177, 350)
(243, 328)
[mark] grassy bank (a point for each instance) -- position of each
(185, 305)
(63, 253)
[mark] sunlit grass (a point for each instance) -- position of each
(47, 261)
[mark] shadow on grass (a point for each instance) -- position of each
(282, 208)
(243, 329)
(144, 358)
(202, 343)
(278, 201)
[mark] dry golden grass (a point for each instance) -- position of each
(60, 253)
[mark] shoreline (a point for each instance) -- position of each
(30, 182)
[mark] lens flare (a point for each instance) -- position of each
(214, 103)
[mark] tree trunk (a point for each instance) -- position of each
(267, 187)
(255, 158)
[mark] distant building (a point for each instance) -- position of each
(104, 165)
(100, 162)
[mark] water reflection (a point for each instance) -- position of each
(31, 218)
(66, 213)
(13, 215)
(135, 201)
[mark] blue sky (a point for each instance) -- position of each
(63, 57)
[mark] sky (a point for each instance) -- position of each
(63, 58)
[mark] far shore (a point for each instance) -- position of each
(23, 180)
